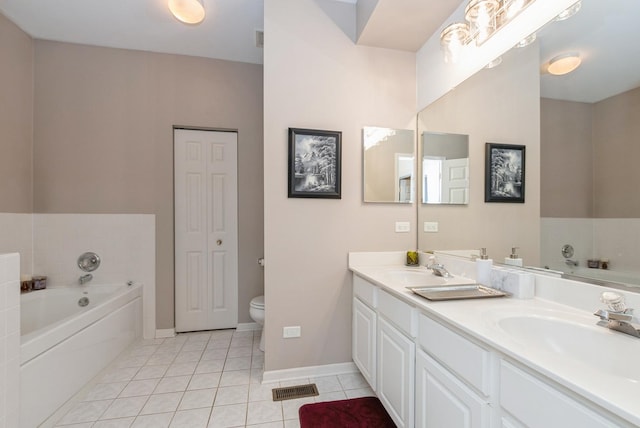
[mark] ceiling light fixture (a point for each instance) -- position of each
(569, 12)
(482, 19)
(187, 11)
(563, 64)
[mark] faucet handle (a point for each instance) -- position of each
(614, 301)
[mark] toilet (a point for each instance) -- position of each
(256, 312)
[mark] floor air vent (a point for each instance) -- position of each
(291, 392)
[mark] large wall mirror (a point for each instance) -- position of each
(388, 165)
(587, 127)
(444, 168)
(590, 122)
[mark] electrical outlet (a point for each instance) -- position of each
(403, 226)
(430, 226)
(289, 332)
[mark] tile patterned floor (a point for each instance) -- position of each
(197, 380)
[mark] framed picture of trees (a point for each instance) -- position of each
(504, 173)
(314, 163)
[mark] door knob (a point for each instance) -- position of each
(219, 242)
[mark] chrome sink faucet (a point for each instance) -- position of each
(85, 278)
(617, 317)
(438, 268)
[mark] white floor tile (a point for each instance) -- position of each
(232, 395)
(236, 377)
(260, 412)
(159, 420)
(204, 381)
(105, 391)
(151, 372)
(114, 423)
(199, 380)
(87, 411)
(228, 416)
(125, 407)
(195, 418)
(210, 366)
(181, 369)
(139, 387)
(262, 391)
(159, 403)
(197, 399)
(172, 384)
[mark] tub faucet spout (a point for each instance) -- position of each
(85, 278)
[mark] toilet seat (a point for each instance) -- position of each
(257, 302)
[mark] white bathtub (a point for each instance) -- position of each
(64, 345)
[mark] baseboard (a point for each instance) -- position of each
(308, 372)
(248, 326)
(166, 332)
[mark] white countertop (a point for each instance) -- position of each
(609, 375)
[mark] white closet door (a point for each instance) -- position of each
(206, 229)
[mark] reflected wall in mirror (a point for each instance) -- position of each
(590, 122)
(499, 104)
(388, 165)
(445, 168)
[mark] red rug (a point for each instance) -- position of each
(365, 412)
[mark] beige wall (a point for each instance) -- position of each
(315, 77)
(16, 118)
(500, 105)
(616, 128)
(566, 152)
(103, 142)
(589, 157)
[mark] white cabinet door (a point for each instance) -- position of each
(364, 341)
(444, 401)
(519, 391)
(396, 371)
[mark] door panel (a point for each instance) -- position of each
(206, 231)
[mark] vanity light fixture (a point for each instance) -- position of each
(187, 11)
(564, 64)
(482, 19)
(452, 39)
(569, 12)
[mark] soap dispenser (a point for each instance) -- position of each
(513, 259)
(483, 268)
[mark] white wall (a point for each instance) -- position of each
(124, 242)
(316, 77)
(616, 239)
(17, 237)
(9, 339)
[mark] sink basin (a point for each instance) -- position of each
(577, 338)
(422, 277)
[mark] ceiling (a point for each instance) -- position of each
(228, 31)
(608, 33)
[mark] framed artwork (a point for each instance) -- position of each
(504, 173)
(314, 163)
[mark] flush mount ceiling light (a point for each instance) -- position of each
(187, 11)
(563, 64)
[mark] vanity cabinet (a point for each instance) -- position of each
(364, 341)
(527, 401)
(452, 379)
(364, 329)
(396, 373)
(442, 400)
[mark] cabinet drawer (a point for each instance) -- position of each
(402, 315)
(468, 360)
(523, 396)
(365, 291)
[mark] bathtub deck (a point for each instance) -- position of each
(198, 380)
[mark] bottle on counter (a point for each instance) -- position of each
(483, 268)
(513, 259)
